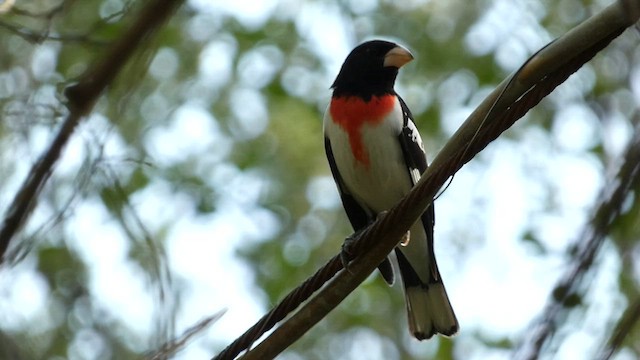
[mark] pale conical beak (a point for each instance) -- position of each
(397, 57)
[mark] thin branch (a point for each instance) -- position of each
(38, 37)
(81, 181)
(588, 244)
(45, 34)
(82, 96)
(46, 14)
(626, 324)
(172, 347)
(165, 321)
(509, 101)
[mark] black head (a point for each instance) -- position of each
(371, 69)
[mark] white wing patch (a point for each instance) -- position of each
(415, 175)
(415, 135)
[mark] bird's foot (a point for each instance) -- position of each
(346, 254)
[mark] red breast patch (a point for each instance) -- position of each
(351, 112)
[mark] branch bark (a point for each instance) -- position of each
(82, 97)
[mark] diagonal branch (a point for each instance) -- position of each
(510, 101)
(172, 347)
(588, 244)
(82, 97)
(626, 324)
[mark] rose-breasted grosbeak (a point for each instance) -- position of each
(376, 156)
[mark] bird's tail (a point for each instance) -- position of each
(430, 311)
(428, 306)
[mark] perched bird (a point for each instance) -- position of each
(376, 156)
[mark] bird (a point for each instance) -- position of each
(376, 156)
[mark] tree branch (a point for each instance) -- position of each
(588, 244)
(171, 348)
(510, 101)
(625, 325)
(82, 97)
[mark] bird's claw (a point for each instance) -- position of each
(346, 254)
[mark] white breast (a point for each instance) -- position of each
(380, 185)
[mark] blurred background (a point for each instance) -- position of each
(199, 183)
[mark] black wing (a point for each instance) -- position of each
(413, 153)
(356, 214)
(415, 158)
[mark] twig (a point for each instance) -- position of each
(625, 325)
(175, 345)
(82, 97)
(38, 37)
(127, 213)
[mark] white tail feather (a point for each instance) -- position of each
(430, 311)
